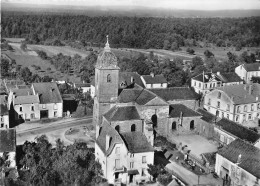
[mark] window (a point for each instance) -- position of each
(174, 125)
(238, 109)
(55, 107)
(143, 172)
(258, 106)
(209, 101)
(237, 117)
(218, 104)
(227, 116)
(55, 113)
(2, 125)
(213, 85)
(117, 150)
(133, 128)
(252, 107)
(244, 117)
(32, 116)
(108, 78)
(222, 114)
(257, 115)
(206, 85)
(143, 159)
(117, 128)
(2, 118)
(228, 107)
(249, 117)
(131, 165)
(132, 155)
(192, 125)
(21, 108)
(219, 95)
(245, 108)
(194, 83)
(161, 84)
(199, 84)
(117, 163)
(43, 106)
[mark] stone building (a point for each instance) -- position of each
(4, 113)
(154, 81)
(247, 71)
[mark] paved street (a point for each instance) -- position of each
(52, 130)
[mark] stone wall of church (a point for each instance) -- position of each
(192, 104)
(98, 111)
(125, 126)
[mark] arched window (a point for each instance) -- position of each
(100, 130)
(108, 78)
(174, 125)
(154, 120)
(117, 128)
(192, 125)
(133, 128)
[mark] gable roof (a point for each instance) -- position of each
(229, 77)
(176, 93)
(48, 92)
(206, 116)
(240, 93)
(207, 77)
(144, 97)
(126, 78)
(176, 110)
(122, 113)
(129, 95)
(7, 140)
(105, 130)
(26, 99)
(250, 156)
(238, 130)
(22, 92)
(156, 79)
(252, 66)
(136, 142)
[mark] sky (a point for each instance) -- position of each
(172, 4)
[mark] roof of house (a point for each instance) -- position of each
(105, 130)
(207, 77)
(22, 92)
(26, 99)
(48, 92)
(229, 77)
(176, 93)
(144, 97)
(79, 85)
(177, 110)
(7, 140)
(206, 116)
(238, 130)
(122, 113)
(126, 77)
(252, 66)
(240, 93)
(156, 79)
(136, 142)
(250, 156)
(129, 95)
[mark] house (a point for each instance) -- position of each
(239, 103)
(226, 131)
(86, 87)
(205, 82)
(182, 120)
(154, 81)
(247, 71)
(4, 113)
(238, 163)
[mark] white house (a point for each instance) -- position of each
(124, 157)
(238, 163)
(86, 87)
(4, 113)
(239, 103)
(247, 71)
(154, 81)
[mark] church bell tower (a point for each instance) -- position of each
(106, 84)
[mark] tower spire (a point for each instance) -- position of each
(107, 48)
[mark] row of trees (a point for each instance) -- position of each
(137, 32)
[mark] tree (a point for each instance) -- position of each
(4, 68)
(26, 74)
(155, 170)
(174, 46)
(23, 46)
(190, 51)
(42, 54)
(208, 54)
(196, 61)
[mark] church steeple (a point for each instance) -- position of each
(107, 48)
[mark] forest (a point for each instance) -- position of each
(134, 32)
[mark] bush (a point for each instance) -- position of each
(165, 179)
(190, 51)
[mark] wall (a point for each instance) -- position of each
(125, 126)
(51, 110)
(204, 88)
(222, 136)
(205, 129)
(92, 91)
(4, 121)
(86, 89)
(241, 72)
(26, 111)
(192, 104)
(159, 85)
(237, 175)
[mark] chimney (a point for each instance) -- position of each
(108, 138)
(250, 90)
(218, 73)
(239, 158)
(152, 74)
(132, 80)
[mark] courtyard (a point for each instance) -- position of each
(195, 143)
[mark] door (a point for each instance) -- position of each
(131, 176)
(44, 114)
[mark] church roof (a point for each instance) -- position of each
(125, 77)
(122, 113)
(176, 110)
(129, 95)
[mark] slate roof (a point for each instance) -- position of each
(22, 92)
(238, 130)
(241, 94)
(7, 140)
(136, 142)
(144, 97)
(178, 109)
(252, 66)
(115, 138)
(250, 156)
(156, 79)
(206, 116)
(207, 77)
(129, 95)
(48, 92)
(122, 113)
(26, 99)
(126, 78)
(176, 93)
(229, 77)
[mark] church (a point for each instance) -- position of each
(126, 121)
